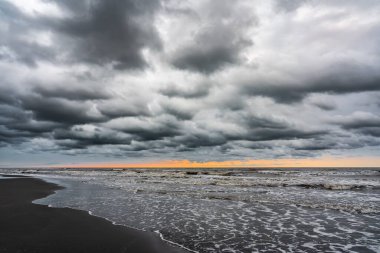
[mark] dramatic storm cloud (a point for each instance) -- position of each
(201, 80)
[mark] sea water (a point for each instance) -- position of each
(240, 210)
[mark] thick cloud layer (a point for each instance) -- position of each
(199, 79)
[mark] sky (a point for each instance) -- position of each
(189, 83)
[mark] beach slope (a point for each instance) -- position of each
(28, 227)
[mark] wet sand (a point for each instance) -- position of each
(28, 227)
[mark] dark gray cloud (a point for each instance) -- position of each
(178, 113)
(219, 43)
(360, 122)
(70, 93)
(147, 129)
(11, 137)
(341, 79)
(196, 140)
(36, 128)
(315, 146)
(10, 113)
(193, 91)
(26, 52)
(324, 105)
(266, 128)
(372, 131)
(43, 109)
(123, 108)
(267, 134)
(60, 110)
(7, 95)
(290, 5)
(14, 43)
(211, 51)
(84, 136)
(110, 32)
(99, 32)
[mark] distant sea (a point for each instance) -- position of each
(231, 210)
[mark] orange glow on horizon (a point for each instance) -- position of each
(321, 162)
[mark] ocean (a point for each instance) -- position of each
(231, 210)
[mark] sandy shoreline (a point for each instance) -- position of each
(28, 227)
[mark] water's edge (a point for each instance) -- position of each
(56, 182)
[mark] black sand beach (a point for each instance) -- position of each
(28, 227)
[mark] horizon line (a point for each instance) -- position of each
(325, 162)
